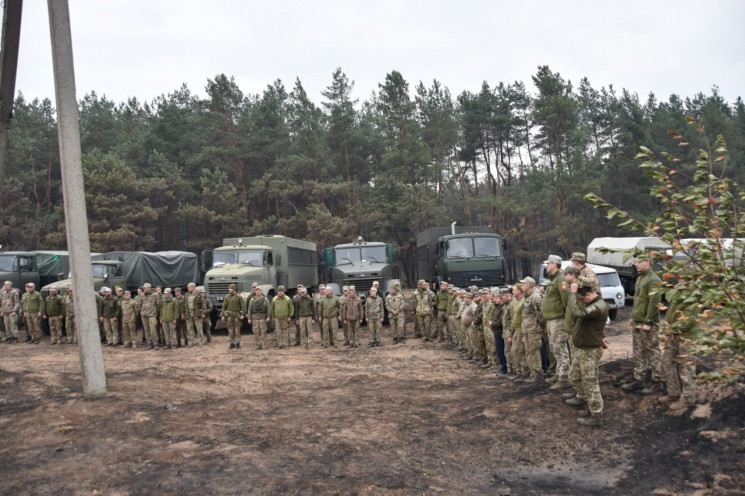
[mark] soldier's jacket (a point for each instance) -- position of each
(194, 306)
(452, 308)
(443, 298)
(395, 303)
(478, 315)
(149, 304)
(130, 310)
(69, 306)
(329, 307)
(467, 314)
(259, 308)
(305, 307)
(33, 303)
(233, 306)
(517, 314)
(676, 320)
(10, 301)
(555, 300)
(281, 308)
(591, 322)
(110, 308)
(317, 302)
(169, 309)
(352, 308)
(180, 300)
(423, 301)
(647, 305)
(589, 273)
(507, 319)
(374, 308)
(55, 306)
(531, 313)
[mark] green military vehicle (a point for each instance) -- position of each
(38, 267)
(268, 260)
(359, 263)
(460, 255)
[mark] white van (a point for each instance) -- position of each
(610, 285)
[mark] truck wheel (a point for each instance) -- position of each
(612, 313)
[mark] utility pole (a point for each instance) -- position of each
(76, 218)
(8, 67)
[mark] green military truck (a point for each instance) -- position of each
(268, 260)
(359, 263)
(38, 267)
(460, 255)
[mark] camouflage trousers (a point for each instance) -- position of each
(282, 330)
(508, 354)
(442, 326)
(55, 329)
(11, 325)
(353, 328)
(259, 329)
(328, 331)
(519, 364)
(305, 325)
(647, 353)
(398, 325)
(557, 338)
(129, 333)
(533, 341)
(71, 330)
(169, 333)
(462, 333)
(233, 323)
(33, 327)
(181, 331)
(679, 369)
(111, 328)
(150, 329)
(491, 347)
(453, 327)
(583, 375)
(195, 331)
(424, 325)
(470, 342)
(549, 352)
(373, 329)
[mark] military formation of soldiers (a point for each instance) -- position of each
(527, 334)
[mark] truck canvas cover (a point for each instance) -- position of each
(52, 263)
(165, 268)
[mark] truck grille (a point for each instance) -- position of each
(221, 288)
(360, 285)
(477, 278)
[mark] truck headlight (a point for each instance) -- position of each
(619, 296)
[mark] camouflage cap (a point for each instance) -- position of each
(376, 283)
(504, 291)
(299, 286)
(579, 256)
(8, 282)
(572, 269)
(254, 284)
(167, 290)
(201, 289)
(451, 286)
(177, 290)
(30, 285)
(351, 288)
(321, 286)
(466, 294)
(554, 259)
(281, 288)
(395, 286)
(147, 285)
(233, 287)
(191, 285)
(421, 282)
(345, 288)
(528, 280)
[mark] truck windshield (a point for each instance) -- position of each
(609, 280)
(473, 247)
(102, 270)
(355, 255)
(254, 258)
(6, 263)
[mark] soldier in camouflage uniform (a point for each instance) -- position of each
(181, 324)
(506, 299)
(194, 313)
(258, 316)
(580, 261)
(10, 307)
(206, 321)
(443, 300)
(281, 311)
(467, 316)
(130, 309)
(344, 328)
(423, 300)
(70, 327)
(352, 315)
(110, 317)
(588, 341)
(149, 309)
(328, 310)
(305, 315)
(55, 310)
(374, 316)
(451, 331)
(232, 315)
(519, 362)
(170, 313)
(554, 309)
(33, 309)
(395, 304)
(645, 322)
(531, 328)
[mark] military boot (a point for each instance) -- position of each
(651, 388)
(668, 399)
(632, 386)
(575, 402)
(594, 420)
(566, 396)
(560, 384)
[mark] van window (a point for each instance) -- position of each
(609, 280)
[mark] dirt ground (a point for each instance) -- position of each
(406, 419)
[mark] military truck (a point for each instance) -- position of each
(460, 255)
(269, 260)
(131, 269)
(620, 258)
(38, 267)
(359, 263)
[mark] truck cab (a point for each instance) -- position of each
(359, 264)
(19, 267)
(105, 273)
(241, 265)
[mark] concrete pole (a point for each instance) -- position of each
(8, 67)
(76, 218)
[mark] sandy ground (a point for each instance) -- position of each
(402, 419)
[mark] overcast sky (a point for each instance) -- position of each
(146, 48)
